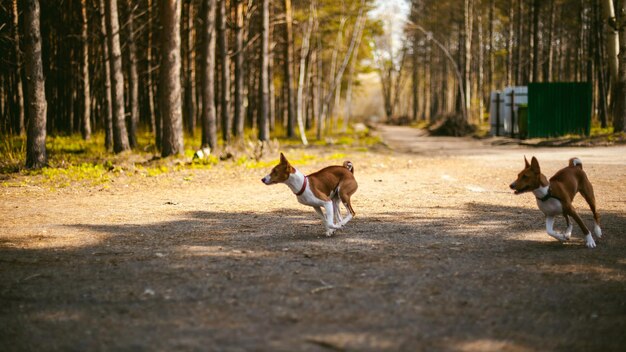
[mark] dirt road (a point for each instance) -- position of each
(441, 256)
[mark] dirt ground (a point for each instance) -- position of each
(441, 256)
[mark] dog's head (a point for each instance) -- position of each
(529, 178)
(280, 173)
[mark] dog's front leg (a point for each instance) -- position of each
(550, 229)
(319, 212)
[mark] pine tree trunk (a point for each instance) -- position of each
(509, 47)
(170, 86)
(490, 59)
(120, 135)
(239, 67)
(35, 88)
(190, 89)
(547, 74)
(480, 82)
(84, 36)
(133, 79)
(619, 112)
(209, 127)
(19, 87)
(108, 100)
(291, 108)
(151, 109)
(535, 42)
(222, 38)
(467, 42)
(304, 52)
(264, 132)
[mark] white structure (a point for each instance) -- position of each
(503, 115)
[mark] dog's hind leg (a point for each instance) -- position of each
(328, 219)
(586, 190)
(337, 210)
(570, 226)
(588, 238)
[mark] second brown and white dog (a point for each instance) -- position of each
(325, 188)
(555, 197)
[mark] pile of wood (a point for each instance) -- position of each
(451, 125)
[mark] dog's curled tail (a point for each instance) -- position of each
(575, 162)
(348, 165)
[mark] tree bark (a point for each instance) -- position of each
(190, 88)
(120, 135)
(227, 122)
(304, 52)
(19, 87)
(264, 132)
(490, 59)
(612, 38)
(151, 109)
(35, 88)
(239, 67)
(209, 127)
(108, 100)
(84, 36)
(619, 112)
(291, 108)
(535, 43)
(467, 42)
(170, 85)
(133, 79)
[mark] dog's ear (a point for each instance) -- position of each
(526, 162)
(534, 165)
(283, 160)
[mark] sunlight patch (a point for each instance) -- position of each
(220, 251)
(489, 345)
(363, 241)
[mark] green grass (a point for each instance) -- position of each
(73, 161)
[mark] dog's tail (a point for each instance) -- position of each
(348, 165)
(575, 162)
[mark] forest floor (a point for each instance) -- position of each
(441, 256)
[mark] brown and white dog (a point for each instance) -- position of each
(322, 189)
(555, 197)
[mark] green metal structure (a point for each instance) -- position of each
(557, 109)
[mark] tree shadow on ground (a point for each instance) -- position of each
(487, 278)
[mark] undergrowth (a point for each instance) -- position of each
(73, 161)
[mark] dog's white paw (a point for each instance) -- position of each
(559, 236)
(590, 242)
(568, 232)
(330, 232)
(597, 230)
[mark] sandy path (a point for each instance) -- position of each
(440, 256)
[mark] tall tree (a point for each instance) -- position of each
(238, 123)
(133, 77)
(209, 126)
(264, 129)
(108, 99)
(619, 114)
(467, 49)
(288, 67)
(19, 88)
(170, 86)
(120, 135)
(36, 156)
(84, 37)
(190, 87)
(222, 38)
